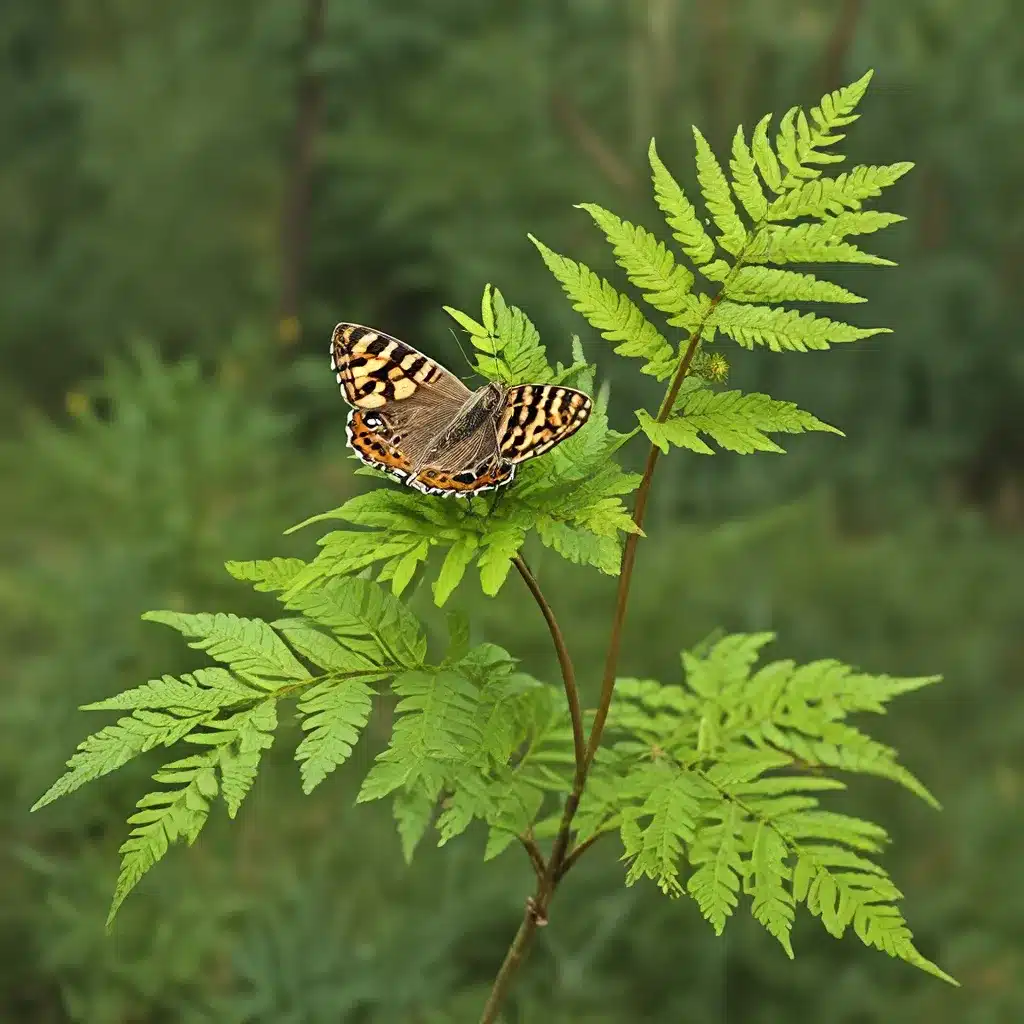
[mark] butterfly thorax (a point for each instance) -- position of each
(482, 406)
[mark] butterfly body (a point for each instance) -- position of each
(415, 420)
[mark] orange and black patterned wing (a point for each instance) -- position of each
(536, 417)
(375, 370)
(371, 438)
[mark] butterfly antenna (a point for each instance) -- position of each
(469, 362)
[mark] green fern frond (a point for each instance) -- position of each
(784, 330)
(115, 745)
(248, 646)
(365, 618)
(745, 182)
(333, 715)
(436, 722)
(500, 545)
(826, 196)
(269, 576)
(206, 689)
(413, 810)
(648, 263)
(613, 314)
(580, 546)
(736, 421)
(242, 738)
(715, 852)
(811, 242)
(671, 801)
(680, 214)
(507, 343)
(165, 817)
(766, 284)
(773, 904)
(714, 187)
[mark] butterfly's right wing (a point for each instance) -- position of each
(413, 395)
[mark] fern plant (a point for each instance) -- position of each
(715, 784)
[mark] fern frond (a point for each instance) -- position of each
(800, 146)
(206, 689)
(500, 546)
(413, 810)
(436, 723)
(766, 284)
(785, 329)
(648, 263)
(115, 745)
(581, 546)
(507, 343)
(242, 740)
(736, 421)
(745, 182)
(456, 561)
(680, 214)
(714, 187)
(825, 196)
(613, 314)
(815, 242)
(773, 904)
(333, 713)
(715, 853)
(165, 817)
(672, 803)
(248, 646)
(269, 576)
(366, 619)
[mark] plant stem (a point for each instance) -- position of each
(560, 860)
(629, 548)
(572, 694)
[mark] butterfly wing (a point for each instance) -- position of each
(539, 416)
(412, 395)
(369, 438)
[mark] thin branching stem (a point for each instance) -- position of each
(572, 694)
(611, 664)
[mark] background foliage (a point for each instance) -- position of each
(170, 172)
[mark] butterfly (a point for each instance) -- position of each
(418, 422)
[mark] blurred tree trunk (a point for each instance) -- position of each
(295, 214)
(833, 62)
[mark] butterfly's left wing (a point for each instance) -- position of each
(536, 417)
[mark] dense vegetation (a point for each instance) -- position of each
(148, 156)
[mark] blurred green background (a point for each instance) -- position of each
(192, 194)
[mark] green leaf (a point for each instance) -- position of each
(766, 284)
(783, 330)
(680, 214)
(745, 181)
(253, 732)
(413, 810)
(115, 745)
(672, 432)
(269, 576)
(715, 853)
(648, 262)
(248, 646)
(457, 560)
(165, 817)
(500, 545)
(581, 546)
(715, 188)
(613, 314)
(764, 155)
(847, 191)
(773, 904)
(334, 713)
(206, 689)
(365, 618)
(741, 422)
(436, 723)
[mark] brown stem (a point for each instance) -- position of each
(295, 214)
(572, 694)
(577, 853)
(533, 852)
(629, 548)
